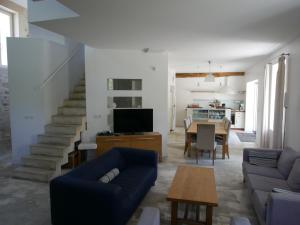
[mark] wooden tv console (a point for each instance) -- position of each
(149, 141)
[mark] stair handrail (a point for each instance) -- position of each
(61, 66)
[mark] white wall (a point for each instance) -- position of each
(171, 97)
(30, 62)
(184, 96)
(103, 64)
(292, 113)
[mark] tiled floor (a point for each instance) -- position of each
(26, 202)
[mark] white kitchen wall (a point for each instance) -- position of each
(293, 101)
(152, 68)
(185, 96)
(30, 62)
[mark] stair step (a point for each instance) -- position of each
(74, 103)
(70, 120)
(77, 96)
(73, 111)
(43, 162)
(46, 157)
(31, 173)
(48, 150)
(57, 139)
(61, 129)
(79, 89)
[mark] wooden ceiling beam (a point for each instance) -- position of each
(216, 74)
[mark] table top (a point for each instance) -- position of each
(220, 128)
(194, 185)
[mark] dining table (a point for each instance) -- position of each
(220, 130)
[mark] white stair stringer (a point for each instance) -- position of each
(51, 151)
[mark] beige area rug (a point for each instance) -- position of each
(234, 199)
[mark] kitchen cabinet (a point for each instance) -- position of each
(238, 119)
(205, 114)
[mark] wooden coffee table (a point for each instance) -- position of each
(193, 185)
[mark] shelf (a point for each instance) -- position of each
(201, 114)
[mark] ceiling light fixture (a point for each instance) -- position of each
(210, 77)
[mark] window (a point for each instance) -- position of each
(6, 30)
(272, 135)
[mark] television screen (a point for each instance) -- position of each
(133, 120)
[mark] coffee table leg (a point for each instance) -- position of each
(174, 209)
(209, 214)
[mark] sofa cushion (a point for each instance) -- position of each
(135, 181)
(239, 221)
(286, 161)
(263, 158)
(263, 171)
(150, 216)
(96, 168)
(294, 177)
(259, 199)
(256, 182)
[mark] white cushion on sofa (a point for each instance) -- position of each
(109, 176)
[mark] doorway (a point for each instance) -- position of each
(6, 30)
(251, 106)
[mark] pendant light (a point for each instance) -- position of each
(210, 77)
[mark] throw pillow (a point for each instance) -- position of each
(294, 177)
(263, 158)
(279, 190)
(286, 161)
(110, 175)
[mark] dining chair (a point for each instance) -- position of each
(186, 127)
(226, 122)
(206, 140)
(85, 145)
(220, 139)
(190, 117)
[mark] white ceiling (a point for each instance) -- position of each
(231, 33)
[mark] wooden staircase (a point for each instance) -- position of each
(51, 151)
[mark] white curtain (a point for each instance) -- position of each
(265, 133)
(278, 130)
(272, 134)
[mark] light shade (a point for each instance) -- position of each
(210, 78)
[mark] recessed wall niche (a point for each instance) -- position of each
(124, 102)
(124, 84)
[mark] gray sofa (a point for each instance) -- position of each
(274, 190)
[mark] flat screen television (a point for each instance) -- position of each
(133, 120)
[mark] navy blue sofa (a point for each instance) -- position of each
(78, 198)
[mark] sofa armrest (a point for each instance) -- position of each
(283, 208)
(247, 150)
(139, 156)
(239, 221)
(150, 216)
(77, 201)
